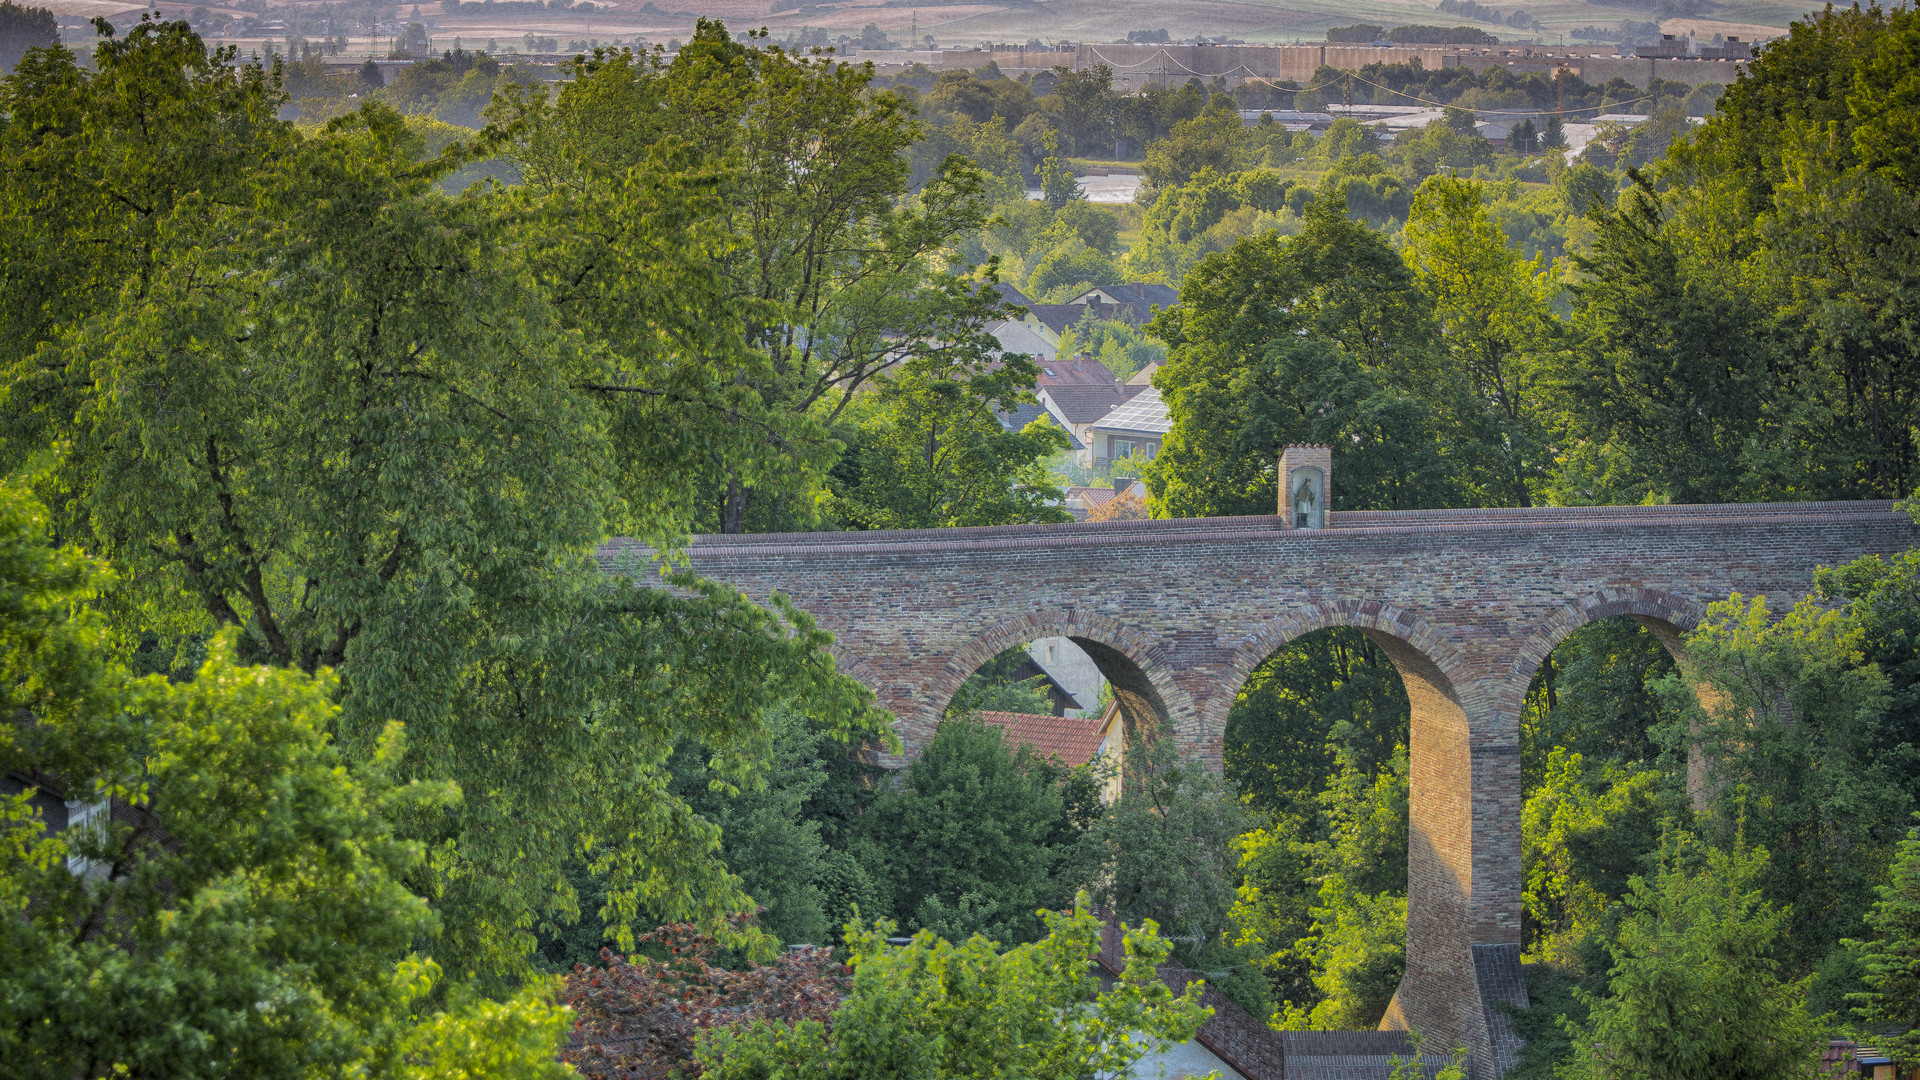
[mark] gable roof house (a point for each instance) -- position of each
(1019, 417)
(1136, 427)
(1079, 392)
(1019, 336)
(1131, 303)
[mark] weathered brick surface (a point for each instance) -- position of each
(1178, 613)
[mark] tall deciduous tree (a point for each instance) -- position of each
(1313, 338)
(1670, 383)
(335, 411)
(1492, 309)
(931, 453)
(823, 273)
(1799, 759)
(226, 898)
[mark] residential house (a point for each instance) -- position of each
(1144, 377)
(1078, 392)
(1072, 740)
(1051, 321)
(1134, 428)
(1018, 418)
(1130, 303)
(1070, 668)
(1020, 336)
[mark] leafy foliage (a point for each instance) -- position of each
(372, 479)
(968, 835)
(1797, 758)
(232, 900)
(935, 1009)
(1694, 989)
(641, 1016)
(1892, 959)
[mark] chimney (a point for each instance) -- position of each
(1306, 484)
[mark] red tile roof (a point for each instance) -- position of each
(1071, 739)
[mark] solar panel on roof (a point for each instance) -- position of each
(1145, 412)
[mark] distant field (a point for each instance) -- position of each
(1261, 21)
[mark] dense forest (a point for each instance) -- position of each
(322, 392)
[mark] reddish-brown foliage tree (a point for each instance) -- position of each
(638, 1016)
(1126, 506)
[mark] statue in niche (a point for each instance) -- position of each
(1308, 505)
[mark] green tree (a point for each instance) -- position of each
(941, 1011)
(967, 834)
(1314, 338)
(1797, 757)
(1163, 851)
(104, 174)
(1883, 601)
(1321, 693)
(23, 28)
(1795, 184)
(1057, 184)
(1694, 990)
(1583, 837)
(305, 413)
(932, 453)
(764, 835)
(1892, 959)
(993, 688)
(1216, 139)
(1596, 695)
(816, 272)
(1087, 105)
(228, 898)
(1669, 386)
(1492, 309)
(1328, 909)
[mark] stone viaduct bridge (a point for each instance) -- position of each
(1177, 613)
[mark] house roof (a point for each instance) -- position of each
(1074, 740)
(1144, 377)
(1144, 414)
(1084, 404)
(1078, 371)
(1019, 418)
(1021, 337)
(1056, 317)
(1010, 294)
(1137, 299)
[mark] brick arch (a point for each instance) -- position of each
(1124, 654)
(849, 663)
(1667, 614)
(1379, 620)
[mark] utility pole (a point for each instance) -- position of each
(1346, 93)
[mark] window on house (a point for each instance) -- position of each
(1120, 448)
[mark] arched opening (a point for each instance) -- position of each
(1604, 769)
(1317, 743)
(1379, 885)
(1089, 664)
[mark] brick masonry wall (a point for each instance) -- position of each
(1178, 614)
